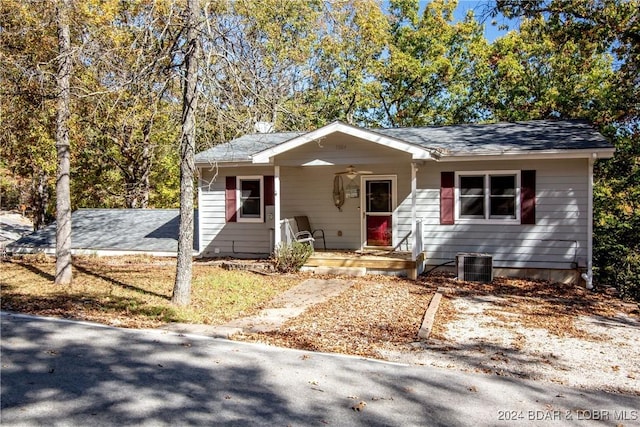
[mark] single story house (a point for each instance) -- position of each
(519, 192)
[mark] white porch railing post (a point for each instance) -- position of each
(418, 246)
(414, 226)
(286, 232)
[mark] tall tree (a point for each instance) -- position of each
(352, 37)
(182, 286)
(256, 66)
(28, 48)
(128, 114)
(534, 76)
(434, 66)
(604, 26)
(63, 188)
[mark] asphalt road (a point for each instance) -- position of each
(57, 372)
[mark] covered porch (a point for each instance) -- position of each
(359, 187)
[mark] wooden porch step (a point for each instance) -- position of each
(381, 263)
(399, 262)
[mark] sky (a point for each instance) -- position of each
(481, 10)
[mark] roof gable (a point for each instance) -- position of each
(417, 152)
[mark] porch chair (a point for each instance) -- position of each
(304, 226)
(298, 236)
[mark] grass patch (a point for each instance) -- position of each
(134, 291)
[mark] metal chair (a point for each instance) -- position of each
(303, 224)
(300, 236)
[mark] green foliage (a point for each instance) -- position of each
(9, 190)
(435, 67)
(290, 257)
(604, 26)
(344, 84)
(537, 77)
(617, 216)
(587, 66)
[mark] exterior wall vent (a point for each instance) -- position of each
(472, 267)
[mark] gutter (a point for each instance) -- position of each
(601, 153)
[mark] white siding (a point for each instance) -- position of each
(340, 149)
(557, 240)
(305, 190)
(309, 191)
(233, 238)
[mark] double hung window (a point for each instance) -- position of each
(486, 196)
(250, 198)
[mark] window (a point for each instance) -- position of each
(250, 199)
(488, 195)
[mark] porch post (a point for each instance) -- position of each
(277, 235)
(414, 226)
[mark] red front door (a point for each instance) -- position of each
(378, 206)
(379, 230)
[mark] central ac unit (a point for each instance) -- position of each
(474, 267)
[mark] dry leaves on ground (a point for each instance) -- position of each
(375, 312)
(539, 304)
(134, 291)
(381, 313)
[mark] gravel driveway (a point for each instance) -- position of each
(497, 335)
(537, 330)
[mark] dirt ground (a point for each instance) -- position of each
(527, 329)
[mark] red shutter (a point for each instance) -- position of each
(528, 197)
(269, 191)
(230, 199)
(447, 197)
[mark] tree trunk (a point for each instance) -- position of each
(39, 199)
(182, 286)
(63, 192)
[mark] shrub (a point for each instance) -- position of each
(290, 257)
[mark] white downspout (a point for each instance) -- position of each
(588, 276)
(277, 235)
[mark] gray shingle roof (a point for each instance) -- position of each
(450, 140)
(145, 230)
(504, 137)
(240, 149)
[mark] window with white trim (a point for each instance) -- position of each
(487, 196)
(250, 198)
